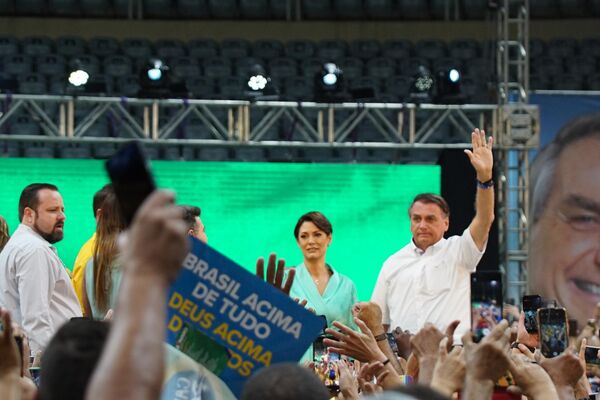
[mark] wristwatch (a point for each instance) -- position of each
(485, 185)
(515, 345)
(381, 338)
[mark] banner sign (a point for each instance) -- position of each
(231, 321)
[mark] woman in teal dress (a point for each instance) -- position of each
(327, 291)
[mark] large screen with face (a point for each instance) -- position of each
(250, 209)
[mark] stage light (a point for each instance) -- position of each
(156, 69)
(156, 82)
(78, 77)
(448, 89)
(259, 85)
(329, 84)
(422, 85)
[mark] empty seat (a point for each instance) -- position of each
(267, 48)
(381, 9)
(104, 150)
(169, 48)
(581, 65)
(568, 82)
(332, 50)
(365, 82)
(573, 8)
(17, 64)
(479, 68)
(75, 150)
(64, 8)
(117, 66)
(217, 67)
(464, 49)
(300, 49)
(203, 48)
(224, 9)
(185, 67)
(310, 67)
(317, 9)
(299, 88)
(103, 46)
(255, 9)
(128, 86)
(397, 49)
(243, 65)
(413, 9)
(213, 154)
(201, 87)
(37, 46)
(6, 8)
(540, 82)
(348, 9)
(157, 8)
(562, 48)
(32, 84)
(69, 46)
(8, 46)
(446, 63)
(398, 86)
(38, 150)
(137, 48)
(192, 9)
(590, 47)
(87, 61)
(365, 49)
(594, 82)
(51, 65)
(282, 68)
(548, 65)
(543, 8)
(24, 125)
(30, 7)
(475, 9)
(537, 48)
(232, 87)
(235, 48)
(352, 67)
(281, 9)
(430, 49)
(381, 67)
(96, 8)
(409, 66)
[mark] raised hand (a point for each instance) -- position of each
(481, 156)
(449, 371)
(358, 345)
(275, 275)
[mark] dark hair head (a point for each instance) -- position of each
(99, 197)
(430, 198)
(316, 218)
(189, 215)
(285, 381)
(29, 197)
(544, 166)
(70, 359)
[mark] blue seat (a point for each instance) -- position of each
(479, 68)
(192, 9)
(398, 86)
(87, 61)
(409, 66)
(562, 48)
(365, 48)
(381, 67)
(69, 46)
(9, 46)
(281, 9)
(569, 82)
(282, 68)
(310, 67)
(594, 82)
(464, 49)
(300, 49)
(32, 84)
(430, 49)
(74, 150)
(317, 9)
(37, 45)
(18, 64)
(38, 150)
(582, 65)
(352, 67)
(51, 65)
(397, 49)
(103, 46)
(128, 86)
(244, 65)
(299, 89)
(24, 125)
(224, 9)
(540, 82)
(169, 48)
(201, 87)
(64, 8)
(537, 48)
(203, 48)
(332, 50)
(137, 48)
(267, 49)
(217, 67)
(548, 65)
(235, 48)
(185, 67)
(117, 66)
(446, 63)
(590, 47)
(255, 9)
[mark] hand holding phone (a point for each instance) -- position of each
(554, 331)
(486, 303)
(592, 354)
(531, 304)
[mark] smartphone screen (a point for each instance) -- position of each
(486, 302)
(392, 341)
(553, 329)
(319, 349)
(531, 304)
(131, 177)
(591, 355)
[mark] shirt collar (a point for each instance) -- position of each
(27, 229)
(430, 249)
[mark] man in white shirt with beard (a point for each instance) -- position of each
(34, 285)
(428, 279)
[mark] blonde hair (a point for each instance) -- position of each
(4, 236)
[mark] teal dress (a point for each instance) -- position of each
(335, 303)
(115, 273)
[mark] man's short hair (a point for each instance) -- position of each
(284, 381)
(430, 198)
(189, 216)
(100, 196)
(544, 166)
(316, 218)
(29, 197)
(71, 358)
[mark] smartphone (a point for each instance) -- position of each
(554, 331)
(486, 302)
(130, 174)
(591, 355)
(392, 341)
(531, 304)
(320, 350)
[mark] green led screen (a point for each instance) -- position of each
(250, 209)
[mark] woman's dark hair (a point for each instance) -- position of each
(316, 218)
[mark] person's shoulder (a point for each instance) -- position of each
(398, 255)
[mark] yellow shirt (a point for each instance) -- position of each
(85, 253)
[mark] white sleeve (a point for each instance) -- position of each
(35, 284)
(380, 296)
(468, 253)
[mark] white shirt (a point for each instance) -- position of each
(35, 287)
(416, 286)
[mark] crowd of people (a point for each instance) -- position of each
(100, 333)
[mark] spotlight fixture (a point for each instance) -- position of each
(448, 87)
(259, 85)
(329, 84)
(78, 77)
(156, 82)
(422, 85)
(80, 81)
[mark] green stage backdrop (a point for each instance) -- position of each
(250, 209)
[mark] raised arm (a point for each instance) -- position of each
(482, 161)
